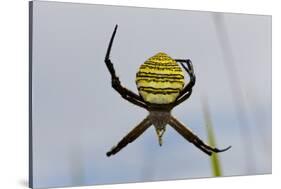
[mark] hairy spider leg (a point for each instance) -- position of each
(191, 137)
(116, 84)
(131, 136)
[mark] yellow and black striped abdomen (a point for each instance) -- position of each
(160, 79)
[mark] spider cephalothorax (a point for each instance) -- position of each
(160, 82)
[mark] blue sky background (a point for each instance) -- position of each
(78, 117)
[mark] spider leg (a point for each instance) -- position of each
(183, 98)
(115, 82)
(131, 136)
(189, 69)
(187, 90)
(191, 137)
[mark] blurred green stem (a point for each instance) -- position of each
(215, 162)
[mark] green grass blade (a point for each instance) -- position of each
(215, 162)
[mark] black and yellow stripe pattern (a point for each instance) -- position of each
(160, 79)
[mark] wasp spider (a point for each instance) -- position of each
(160, 82)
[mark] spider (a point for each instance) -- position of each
(160, 82)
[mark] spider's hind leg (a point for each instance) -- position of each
(191, 137)
(130, 137)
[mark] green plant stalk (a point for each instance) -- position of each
(214, 158)
(215, 162)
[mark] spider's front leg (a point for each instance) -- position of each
(191, 137)
(189, 69)
(116, 84)
(125, 93)
(187, 90)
